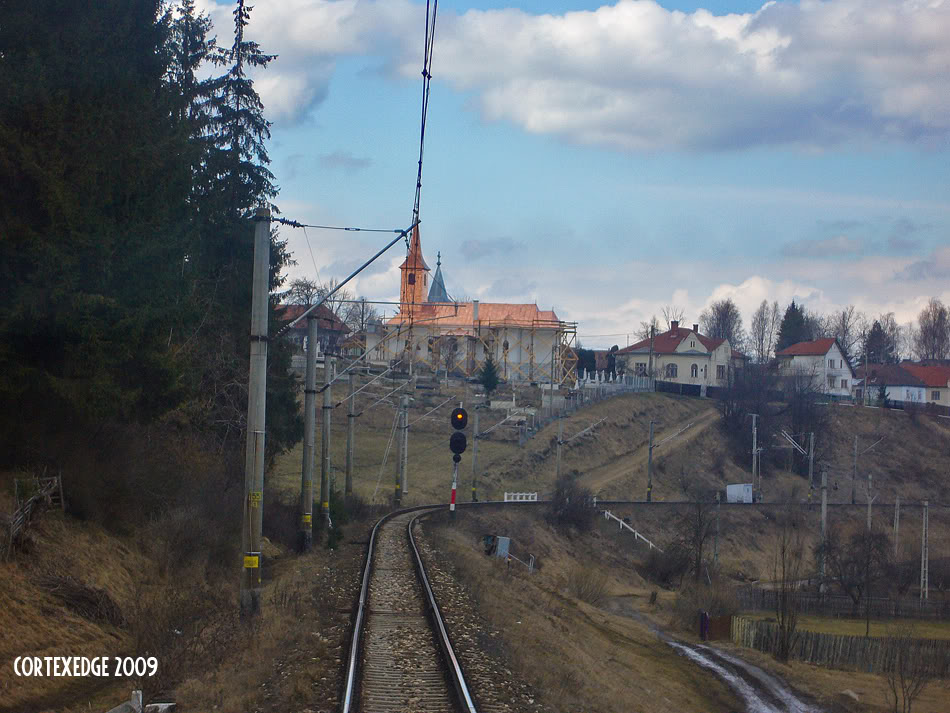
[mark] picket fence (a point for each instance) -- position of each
(859, 653)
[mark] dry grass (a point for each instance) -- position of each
(581, 657)
(923, 628)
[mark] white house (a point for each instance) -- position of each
(683, 356)
(824, 360)
(899, 383)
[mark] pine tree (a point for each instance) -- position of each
(488, 376)
(793, 328)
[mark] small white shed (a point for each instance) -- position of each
(739, 493)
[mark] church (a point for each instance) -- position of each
(434, 334)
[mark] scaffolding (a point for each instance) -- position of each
(542, 350)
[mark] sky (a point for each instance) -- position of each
(607, 160)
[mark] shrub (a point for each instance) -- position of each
(668, 568)
(587, 584)
(571, 506)
(716, 599)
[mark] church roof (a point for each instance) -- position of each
(462, 314)
(414, 258)
(437, 292)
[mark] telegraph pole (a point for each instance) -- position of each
(649, 466)
(560, 438)
(350, 424)
(924, 555)
(256, 395)
(325, 460)
(404, 443)
(755, 454)
(897, 523)
(475, 456)
(811, 459)
(824, 520)
(854, 471)
(716, 541)
(305, 539)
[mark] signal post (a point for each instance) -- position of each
(457, 444)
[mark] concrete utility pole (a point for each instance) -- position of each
(350, 424)
(924, 554)
(824, 519)
(325, 460)
(854, 471)
(649, 465)
(305, 537)
(256, 395)
(716, 541)
(811, 459)
(560, 438)
(897, 523)
(754, 447)
(404, 443)
(474, 454)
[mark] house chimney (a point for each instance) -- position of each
(674, 324)
(696, 328)
(474, 310)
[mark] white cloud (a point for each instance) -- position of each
(637, 76)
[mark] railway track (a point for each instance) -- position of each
(401, 658)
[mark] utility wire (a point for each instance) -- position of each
(431, 411)
(426, 78)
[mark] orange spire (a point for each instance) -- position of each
(414, 259)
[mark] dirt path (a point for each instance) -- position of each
(760, 691)
(598, 478)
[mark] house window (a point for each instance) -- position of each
(720, 371)
(844, 383)
(641, 368)
(841, 363)
(671, 371)
(425, 280)
(412, 278)
(692, 343)
(694, 371)
(831, 382)
(935, 396)
(831, 363)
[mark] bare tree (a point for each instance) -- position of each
(303, 292)
(933, 333)
(910, 670)
(787, 566)
(671, 313)
(722, 320)
(847, 326)
(764, 331)
(360, 314)
(856, 564)
(644, 331)
(338, 302)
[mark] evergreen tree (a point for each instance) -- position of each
(488, 376)
(793, 328)
(878, 347)
(92, 240)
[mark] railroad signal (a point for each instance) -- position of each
(458, 443)
(459, 419)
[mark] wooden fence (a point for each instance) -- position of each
(860, 653)
(44, 490)
(758, 599)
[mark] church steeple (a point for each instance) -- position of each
(437, 292)
(415, 278)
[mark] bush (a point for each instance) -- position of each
(587, 584)
(668, 568)
(717, 599)
(571, 506)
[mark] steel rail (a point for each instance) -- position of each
(445, 644)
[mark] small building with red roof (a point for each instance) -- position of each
(821, 359)
(331, 330)
(683, 356)
(936, 380)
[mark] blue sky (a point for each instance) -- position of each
(606, 160)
